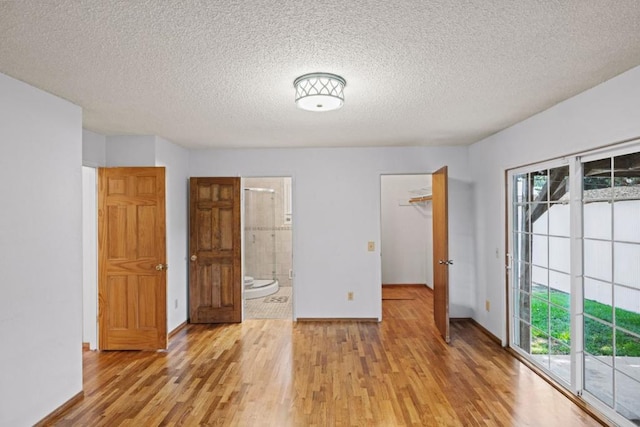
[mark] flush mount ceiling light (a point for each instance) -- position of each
(319, 91)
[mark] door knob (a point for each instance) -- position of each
(194, 257)
(160, 267)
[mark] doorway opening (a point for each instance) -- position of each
(267, 248)
(89, 258)
(431, 189)
(406, 230)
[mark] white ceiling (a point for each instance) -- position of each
(220, 73)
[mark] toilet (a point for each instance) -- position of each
(248, 281)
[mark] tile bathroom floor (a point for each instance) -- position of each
(274, 306)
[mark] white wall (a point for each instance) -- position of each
(149, 150)
(176, 161)
(94, 149)
(605, 114)
(407, 234)
(40, 252)
(336, 206)
(131, 150)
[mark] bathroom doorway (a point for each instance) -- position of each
(267, 248)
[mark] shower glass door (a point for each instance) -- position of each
(259, 232)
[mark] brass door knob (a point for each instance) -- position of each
(194, 257)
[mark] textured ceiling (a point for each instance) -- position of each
(220, 74)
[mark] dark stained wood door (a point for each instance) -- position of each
(132, 290)
(215, 281)
(441, 259)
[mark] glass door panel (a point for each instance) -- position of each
(559, 249)
(611, 284)
(594, 215)
(598, 379)
(625, 215)
(597, 259)
(541, 327)
(597, 299)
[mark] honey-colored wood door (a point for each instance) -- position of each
(215, 281)
(132, 291)
(441, 259)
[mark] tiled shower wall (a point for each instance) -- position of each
(262, 265)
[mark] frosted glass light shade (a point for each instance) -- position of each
(319, 91)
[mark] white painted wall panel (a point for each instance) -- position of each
(40, 252)
(337, 210)
(94, 149)
(131, 150)
(176, 161)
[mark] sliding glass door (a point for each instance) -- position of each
(574, 291)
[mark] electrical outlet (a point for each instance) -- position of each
(350, 296)
(487, 305)
(371, 246)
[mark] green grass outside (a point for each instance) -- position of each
(598, 336)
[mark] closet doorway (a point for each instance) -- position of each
(406, 230)
(414, 238)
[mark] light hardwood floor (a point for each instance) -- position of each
(280, 373)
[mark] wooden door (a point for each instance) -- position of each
(132, 291)
(441, 259)
(215, 281)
